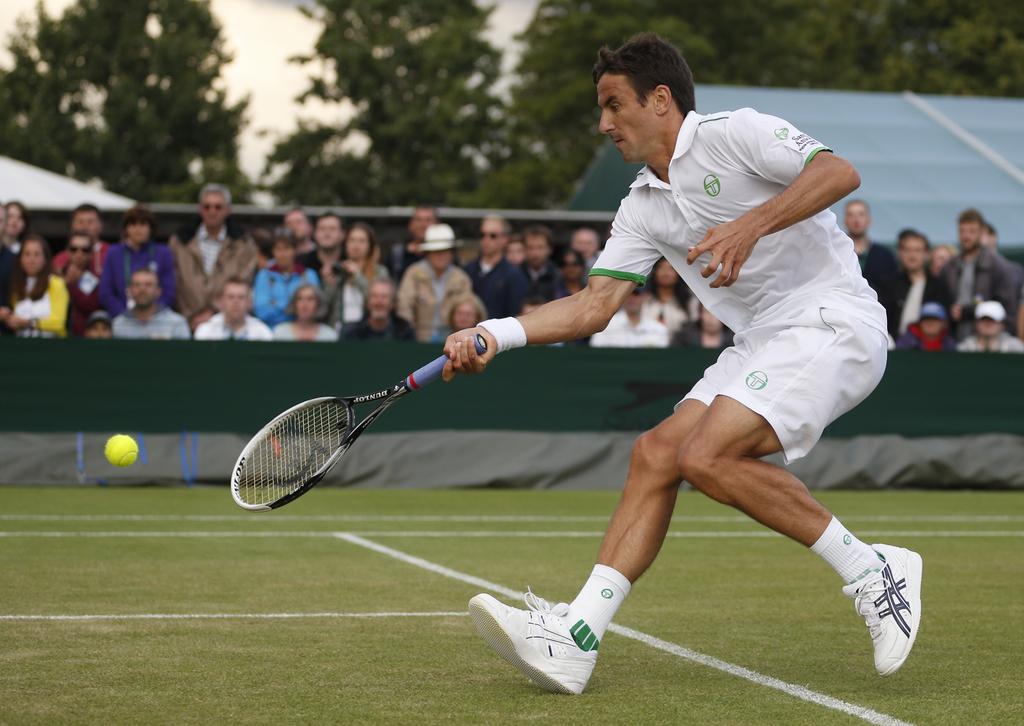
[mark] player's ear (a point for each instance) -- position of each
(662, 99)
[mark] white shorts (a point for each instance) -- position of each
(800, 375)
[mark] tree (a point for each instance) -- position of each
(128, 93)
(942, 46)
(419, 77)
(552, 127)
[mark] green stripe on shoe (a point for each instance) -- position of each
(618, 275)
(584, 637)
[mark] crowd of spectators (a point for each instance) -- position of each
(324, 280)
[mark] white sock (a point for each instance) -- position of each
(593, 609)
(850, 557)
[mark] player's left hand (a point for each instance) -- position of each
(730, 245)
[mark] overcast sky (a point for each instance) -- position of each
(262, 35)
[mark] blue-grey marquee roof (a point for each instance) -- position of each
(922, 159)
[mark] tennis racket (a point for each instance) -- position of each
(288, 456)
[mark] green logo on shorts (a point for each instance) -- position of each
(712, 186)
(782, 134)
(756, 380)
(607, 594)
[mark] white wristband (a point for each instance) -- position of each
(508, 332)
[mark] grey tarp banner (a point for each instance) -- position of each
(588, 460)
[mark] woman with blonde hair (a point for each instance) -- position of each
(39, 298)
(466, 311)
(306, 307)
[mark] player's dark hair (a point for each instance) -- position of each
(908, 233)
(649, 61)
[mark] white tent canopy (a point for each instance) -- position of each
(40, 189)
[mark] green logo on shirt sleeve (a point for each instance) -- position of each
(782, 134)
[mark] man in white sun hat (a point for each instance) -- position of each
(989, 334)
(429, 286)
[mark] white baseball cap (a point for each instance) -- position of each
(439, 237)
(990, 309)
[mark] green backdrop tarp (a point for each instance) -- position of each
(165, 386)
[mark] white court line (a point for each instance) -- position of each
(791, 689)
(268, 534)
(230, 616)
(483, 518)
(486, 534)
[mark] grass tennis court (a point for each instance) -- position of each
(723, 587)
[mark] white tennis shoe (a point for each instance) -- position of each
(537, 641)
(890, 603)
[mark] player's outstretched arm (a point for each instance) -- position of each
(569, 318)
(825, 180)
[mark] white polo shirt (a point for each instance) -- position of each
(724, 165)
(217, 329)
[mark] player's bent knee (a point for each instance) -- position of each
(700, 468)
(654, 458)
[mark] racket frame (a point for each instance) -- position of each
(413, 382)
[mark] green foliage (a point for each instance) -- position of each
(125, 92)
(933, 46)
(419, 78)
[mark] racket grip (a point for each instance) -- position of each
(432, 370)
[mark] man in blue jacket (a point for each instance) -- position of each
(500, 284)
(878, 264)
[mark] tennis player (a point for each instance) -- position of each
(738, 202)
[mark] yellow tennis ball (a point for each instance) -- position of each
(121, 450)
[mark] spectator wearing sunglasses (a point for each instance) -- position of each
(572, 267)
(85, 219)
(500, 284)
(207, 255)
(82, 280)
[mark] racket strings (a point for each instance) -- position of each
(292, 450)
